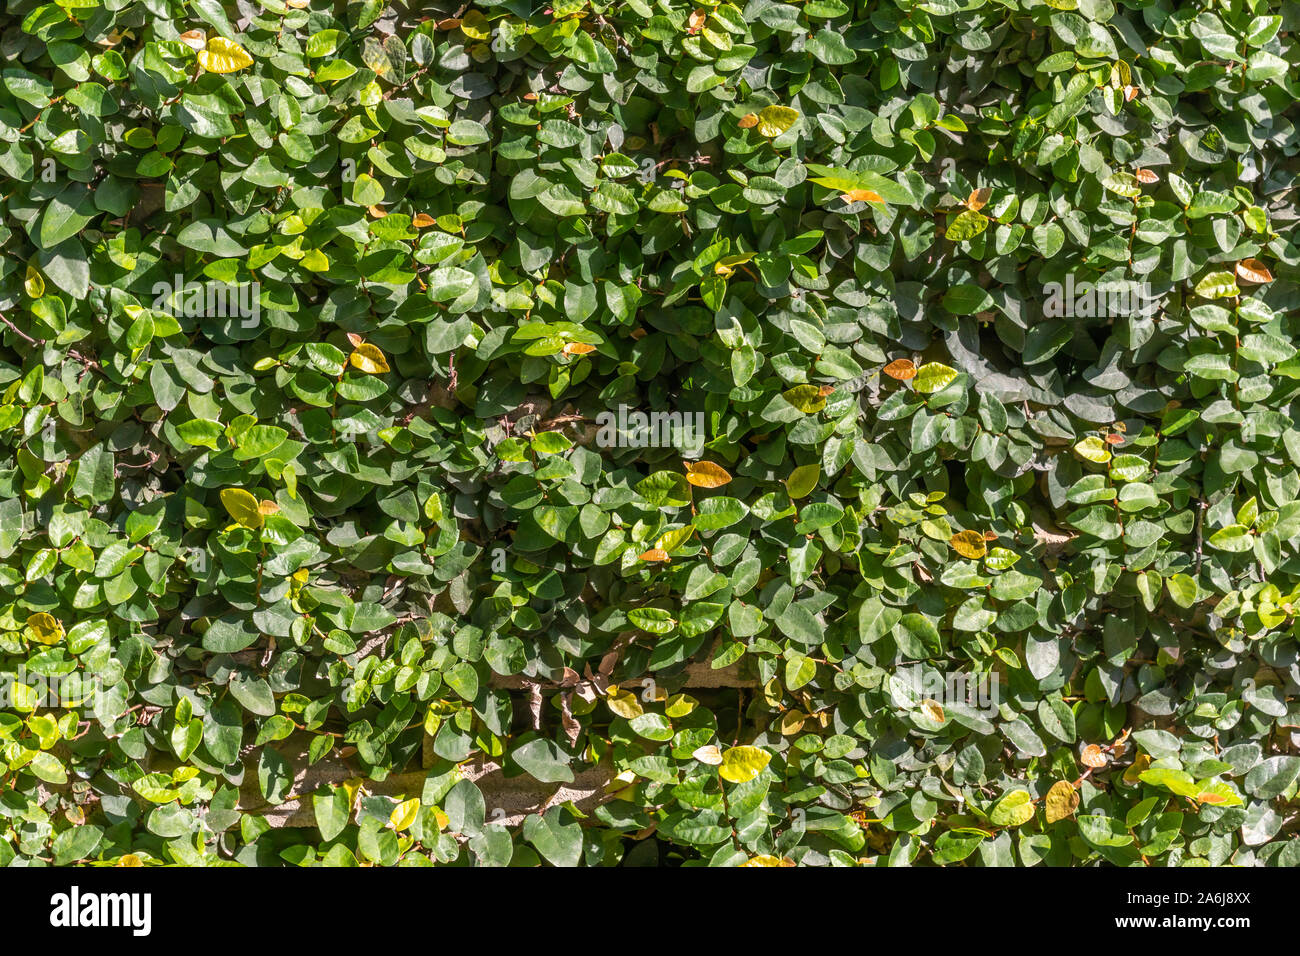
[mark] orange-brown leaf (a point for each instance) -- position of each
(1252, 270)
(355, 339)
(654, 554)
(1146, 176)
(969, 544)
(696, 20)
(748, 121)
(861, 195)
(978, 198)
(1092, 756)
(901, 369)
(422, 220)
(705, 474)
(578, 348)
(1113, 439)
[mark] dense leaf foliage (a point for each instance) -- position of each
(719, 419)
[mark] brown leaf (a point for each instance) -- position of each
(696, 20)
(901, 369)
(705, 474)
(654, 554)
(969, 544)
(748, 121)
(1130, 92)
(355, 339)
(990, 536)
(450, 23)
(1114, 439)
(1092, 756)
(578, 348)
(1146, 176)
(933, 710)
(1061, 801)
(194, 39)
(978, 198)
(1252, 270)
(423, 220)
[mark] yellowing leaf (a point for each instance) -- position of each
(969, 544)
(404, 814)
(34, 284)
(224, 56)
(623, 703)
(932, 377)
(1062, 800)
(767, 860)
(1252, 270)
(775, 120)
(807, 398)
(803, 480)
(709, 754)
(933, 709)
(1093, 448)
(45, 628)
(243, 507)
(129, 859)
(369, 359)
(705, 474)
(670, 541)
(791, 722)
(742, 764)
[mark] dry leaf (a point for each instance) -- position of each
(933, 710)
(423, 220)
(705, 474)
(1114, 439)
(1129, 93)
(194, 39)
(578, 348)
(1092, 756)
(969, 544)
(978, 198)
(861, 195)
(654, 554)
(1252, 270)
(355, 339)
(1146, 176)
(1062, 800)
(709, 754)
(901, 369)
(268, 508)
(990, 536)
(696, 20)
(748, 121)
(376, 212)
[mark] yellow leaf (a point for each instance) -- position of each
(775, 120)
(792, 722)
(623, 702)
(742, 764)
(670, 541)
(1141, 763)
(243, 507)
(969, 544)
(767, 860)
(45, 628)
(369, 359)
(705, 474)
(1062, 800)
(224, 56)
(404, 814)
(34, 284)
(933, 710)
(129, 859)
(679, 705)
